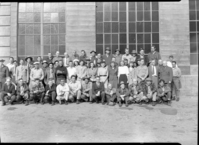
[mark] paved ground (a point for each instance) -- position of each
(98, 123)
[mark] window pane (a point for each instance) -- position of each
(147, 27)
(54, 7)
(147, 16)
(147, 38)
(122, 48)
(61, 49)
(62, 7)
(37, 28)
(22, 17)
(54, 18)
(114, 6)
(193, 37)
(37, 17)
(155, 16)
(99, 27)
(154, 5)
(115, 38)
(47, 17)
(37, 7)
(29, 45)
(107, 38)
(46, 7)
(140, 6)
(46, 29)
(46, 49)
(193, 47)
(61, 17)
(122, 16)
(132, 38)
(114, 27)
(62, 29)
(139, 47)
(192, 26)
(156, 47)
(131, 27)
(122, 6)
(192, 15)
(147, 6)
(197, 5)
(107, 6)
(147, 48)
(54, 48)
(131, 16)
(198, 15)
(99, 49)
(46, 39)
(99, 6)
(132, 47)
(62, 39)
(155, 37)
(37, 44)
(131, 6)
(22, 7)
(123, 38)
(114, 16)
(114, 47)
(54, 39)
(54, 28)
(22, 29)
(155, 26)
(29, 7)
(123, 27)
(29, 29)
(21, 45)
(140, 38)
(107, 27)
(29, 17)
(99, 39)
(99, 16)
(139, 26)
(107, 16)
(140, 16)
(192, 5)
(193, 59)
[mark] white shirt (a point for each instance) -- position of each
(169, 64)
(74, 86)
(71, 71)
(154, 70)
(123, 70)
(60, 89)
(10, 66)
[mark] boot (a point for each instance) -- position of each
(3, 104)
(153, 103)
(11, 103)
(77, 102)
(169, 103)
(177, 99)
(27, 103)
(66, 102)
(53, 103)
(120, 104)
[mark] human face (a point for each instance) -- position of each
(62, 82)
(21, 62)
(73, 79)
(83, 52)
(11, 60)
(8, 81)
(93, 53)
(37, 66)
(142, 62)
(117, 52)
(112, 64)
(76, 63)
(86, 81)
(122, 86)
(109, 86)
(171, 58)
(50, 82)
(60, 63)
(142, 52)
(57, 53)
(51, 66)
(57, 63)
(92, 65)
(174, 64)
(113, 59)
(45, 65)
(28, 60)
(99, 55)
(71, 64)
(135, 82)
(152, 48)
(131, 64)
(20, 82)
(103, 64)
(161, 84)
(122, 63)
(160, 62)
(126, 51)
(49, 54)
(164, 63)
(39, 58)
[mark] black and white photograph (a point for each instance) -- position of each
(99, 72)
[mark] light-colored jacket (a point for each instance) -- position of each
(62, 89)
(22, 72)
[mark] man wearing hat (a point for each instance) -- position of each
(36, 73)
(86, 89)
(93, 57)
(107, 56)
(153, 73)
(50, 92)
(29, 66)
(122, 94)
(57, 57)
(102, 72)
(4, 73)
(50, 73)
(151, 91)
(127, 55)
(22, 91)
(22, 71)
(154, 55)
(44, 68)
(118, 56)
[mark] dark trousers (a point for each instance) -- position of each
(36, 97)
(166, 97)
(50, 97)
(101, 97)
(5, 98)
(24, 97)
(119, 99)
(110, 98)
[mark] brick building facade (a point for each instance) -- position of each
(80, 34)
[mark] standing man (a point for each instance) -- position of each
(66, 59)
(93, 57)
(36, 73)
(60, 72)
(176, 83)
(107, 56)
(11, 66)
(118, 56)
(50, 58)
(153, 73)
(170, 61)
(143, 56)
(154, 55)
(4, 73)
(166, 74)
(126, 55)
(29, 66)
(57, 57)
(22, 72)
(142, 71)
(44, 68)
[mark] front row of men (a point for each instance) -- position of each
(144, 92)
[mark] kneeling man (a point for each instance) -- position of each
(122, 94)
(22, 91)
(86, 89)
(50, 94)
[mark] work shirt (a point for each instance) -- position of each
(127, 56)
(118, 58)
(142, 71)
(81, 71)
(176, 72)
(107, 58)
(154, 55)
(34, 87)
(36, 74)
(8, 89)
(22, 72)
(74, 87)
(86, 86)
(22, 89)
(96, 88)
(92, 73)
(49, 60)
(11, 68)
(62, 89)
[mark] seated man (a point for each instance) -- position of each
(37, 91)
(75, 89)
(110, 94)
(133, 91)
(151, 91)
(8, 92)
(22, 91)
(164, 92)
(86, 89)
(122, 94)
(97, 91)
(62, 91)
(50, 90)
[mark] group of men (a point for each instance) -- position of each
(75, 79)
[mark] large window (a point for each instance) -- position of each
(41, 29)
(134, 25)
(194, 30)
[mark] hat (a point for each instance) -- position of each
(76, 60)
(15, 61)
(103, 62)
(117, 50)
(84, 78)
(28, 57)
(36, 62)
(107, 48)
(121, 82)
(148, 79)
(2, 60)
(44, 61)
(88, 59)
(51, 63)
(93, 51)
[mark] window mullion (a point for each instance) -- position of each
(41, 34)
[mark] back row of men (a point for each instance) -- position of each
(132, 78)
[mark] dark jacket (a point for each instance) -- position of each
(124, 91)
(50, 89)
(4, 72)
(61, 72)
(11, 89)
(96, 88)
(152, 86)
(165, 73)
(154, 55)
(25, 88)
(49, 60)
(150, 71)
(107, 59)
(146, 61)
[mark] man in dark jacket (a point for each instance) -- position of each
(22, 91)
(143, 56)
(4, 73)
(107, 57)
(50, 58)
(122, 94)
(60, 72)
(50, 90)
(8, 92)
(154, 55)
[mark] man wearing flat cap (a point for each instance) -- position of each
(4, 73)
(107, 56)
